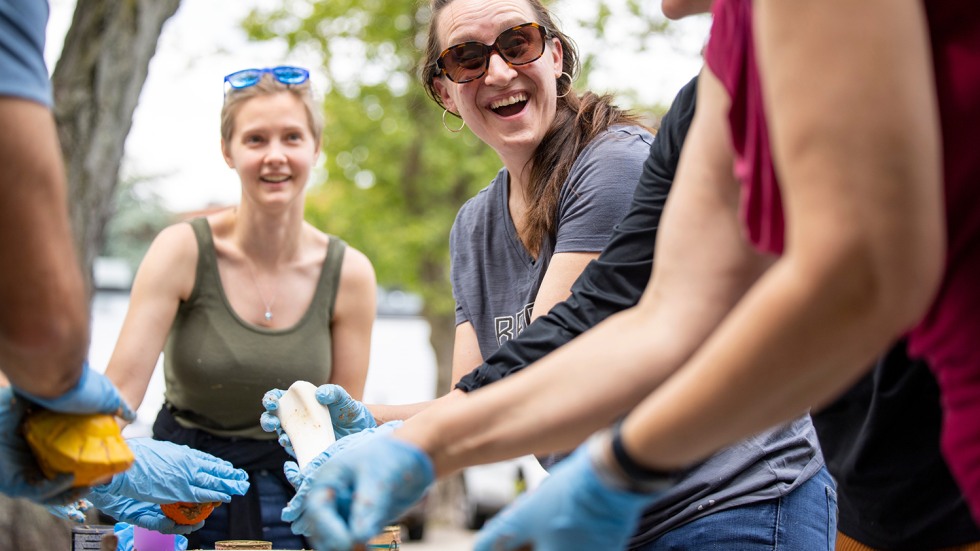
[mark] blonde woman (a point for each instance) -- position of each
(246, 299)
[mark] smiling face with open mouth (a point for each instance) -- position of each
(272, 148)
(509, 107)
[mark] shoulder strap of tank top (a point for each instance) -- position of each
(330, 274)
(206, 260)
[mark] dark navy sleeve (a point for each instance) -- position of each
(614, 281)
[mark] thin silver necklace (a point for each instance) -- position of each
(255, 280)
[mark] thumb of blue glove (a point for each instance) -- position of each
(94, 393)
(574, 508)
(348, 415)
(351, 497)
(164, 472)
(269, 421)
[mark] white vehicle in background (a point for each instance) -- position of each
(489, 488)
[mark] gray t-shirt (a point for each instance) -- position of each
(495, 279)
(763, 467)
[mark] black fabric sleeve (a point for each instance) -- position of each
(614, 281)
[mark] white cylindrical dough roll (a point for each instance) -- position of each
(306, 422)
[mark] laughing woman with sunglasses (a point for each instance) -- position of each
(571, 163)
(246, 299)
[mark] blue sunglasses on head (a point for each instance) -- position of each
(250, 77)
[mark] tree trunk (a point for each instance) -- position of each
(97, 83)
(441, 317)
(442, 335)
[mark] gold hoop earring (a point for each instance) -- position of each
(456, 131)
(558, 80)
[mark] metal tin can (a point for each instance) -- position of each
(242, 544)
(390, 539)
(88, 537)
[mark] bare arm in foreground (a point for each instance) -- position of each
(589, 382)
(864, 252)
(771, 357)
(44, 322)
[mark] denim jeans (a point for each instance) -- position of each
(272, 498)
(803, 520)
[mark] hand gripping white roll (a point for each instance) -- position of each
(306, 422)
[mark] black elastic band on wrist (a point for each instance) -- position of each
(629, 466)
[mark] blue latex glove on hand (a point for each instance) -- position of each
(140, 513)
(125, 534)
(297, 476)
(94, 393)
(574, 508)
(73, 511)
(348, 415)
(165, 472)
(20, 475)
(361, 489)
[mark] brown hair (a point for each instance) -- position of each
(578, 120)
(266, 86)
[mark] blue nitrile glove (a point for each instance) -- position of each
(165, 472)
(20, 475)
(73, 511)
(361, 489)
(94, 393)
(269, 421)
(140, 513)
(348, 415)
(574, 508)
(296, 477)
(125, 537)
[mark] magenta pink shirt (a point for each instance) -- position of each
(949, 336)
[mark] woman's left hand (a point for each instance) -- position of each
(572, 509)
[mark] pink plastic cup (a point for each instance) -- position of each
(150, 540)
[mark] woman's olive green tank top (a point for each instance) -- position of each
(217, 366)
